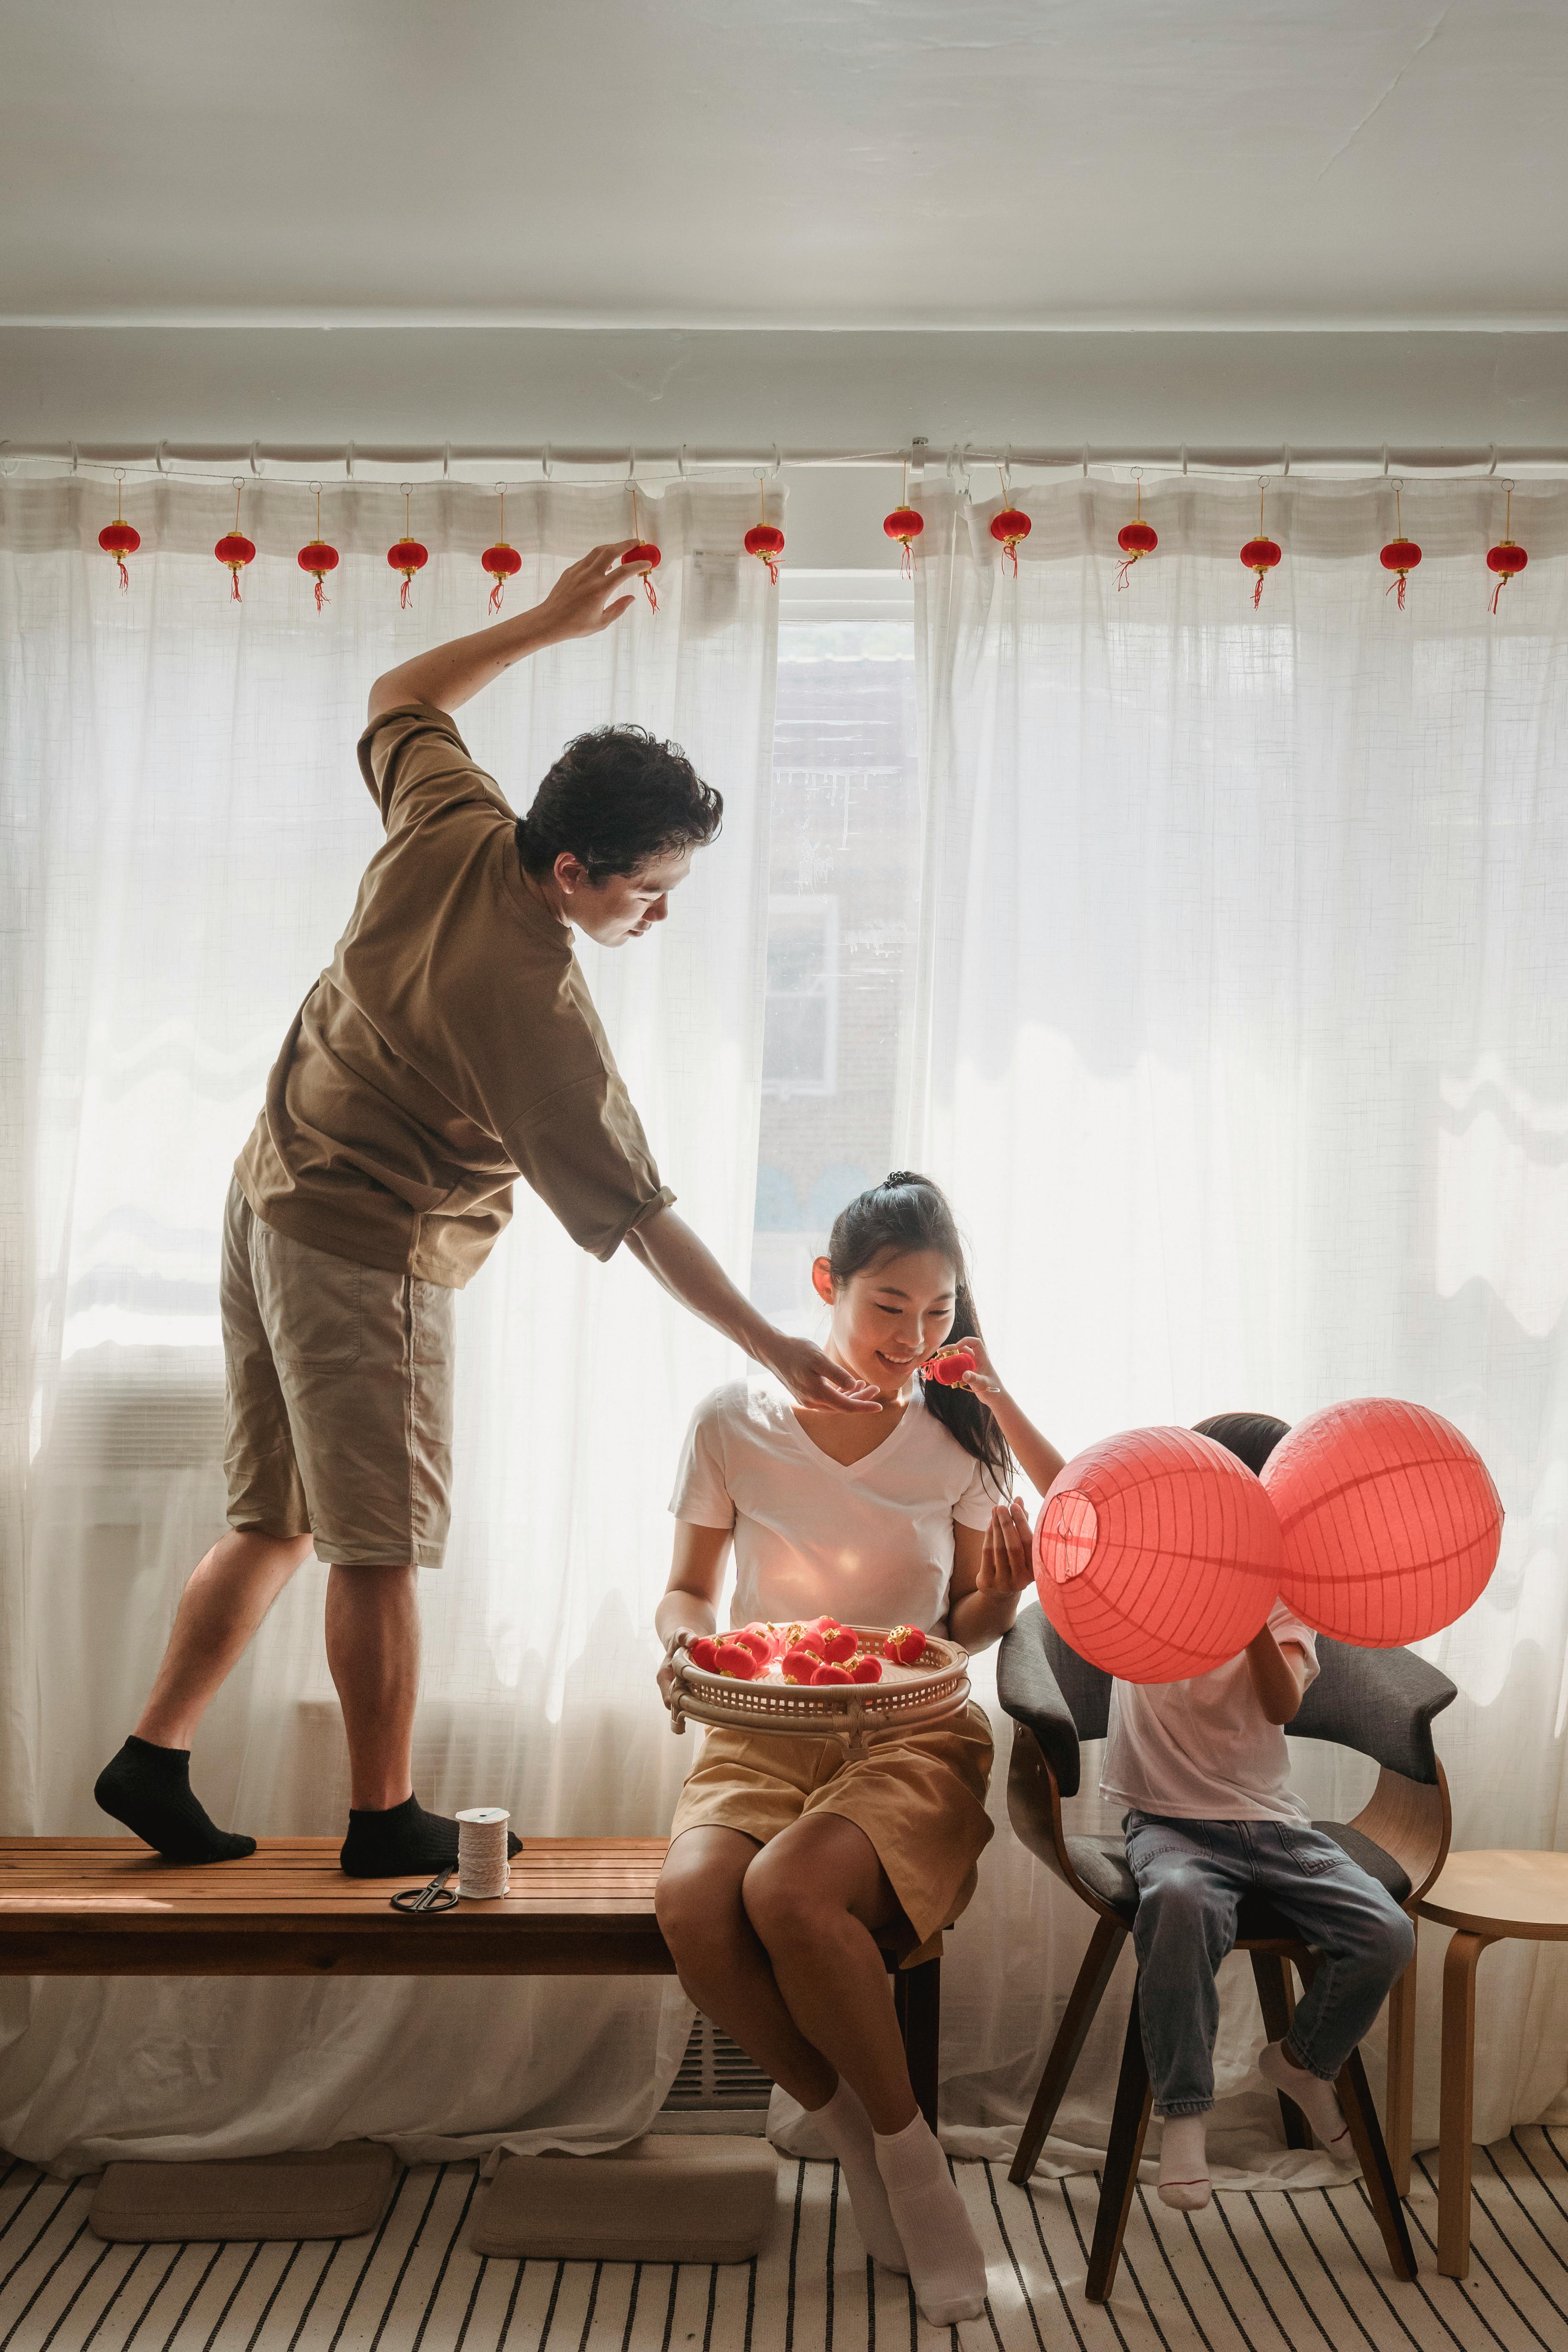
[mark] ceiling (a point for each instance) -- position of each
(801, 163)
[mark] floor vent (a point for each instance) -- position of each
(716, 2076)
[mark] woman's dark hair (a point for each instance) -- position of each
(1250, 1436)
(906, 1212)
(616, 798)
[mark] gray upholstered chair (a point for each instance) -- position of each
(1378, 1702)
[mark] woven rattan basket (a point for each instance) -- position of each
(908, 1698)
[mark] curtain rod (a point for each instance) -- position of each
(297, 463)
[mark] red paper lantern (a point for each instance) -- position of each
(1507, 559)
(1010, 527)
(316, 556)
(905, 524)
(118, 537)
(645, 551)
(1389, 1519)
(1157, 1555)
(1401, 555)
(406, 554)
(500, 561)
(234, 550)
(1260, 554)
(952, 1368)
(764, 540)
(1136, 540)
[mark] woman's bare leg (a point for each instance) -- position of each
(818, 1897)
(723, 1967)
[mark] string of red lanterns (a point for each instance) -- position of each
(1009, 526)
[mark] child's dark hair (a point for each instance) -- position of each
(906, 1212)
(616, 798)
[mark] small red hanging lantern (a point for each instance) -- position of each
(316, 557)
(406, 554)
(1136, 538)
(1401, 555)
(905, 524)
(234, 549)
(1010, 526)
(116, 538)
(1507, 559)
(645, 551)
(502, 561)
(764, 540)
(1260, 554)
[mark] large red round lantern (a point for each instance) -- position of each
(1507, 559)
(1157, 1555)
(1389, 1520)
(234, 550)
(1136, 540)
(118, 537)
(1401, 556)
(316, 556)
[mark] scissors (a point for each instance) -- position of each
(436, 1897)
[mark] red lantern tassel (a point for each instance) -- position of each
(495, 597)
(125, 579)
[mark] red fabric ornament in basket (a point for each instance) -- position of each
(1260, 554)
(737, 1658)
(866, 1669)
(1157, 1555)
(1401, 556)
(1389, 1520)
(118, 537)
(316, 557)
(234, 550)
(1507, 559)
(1136, 540)
(831, 1672)
(906, 1645)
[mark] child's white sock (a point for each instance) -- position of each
(946, 2264)
(1184, 2163)
(846, 2127)
(1318, 2100)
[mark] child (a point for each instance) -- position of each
(790, 1862)
(1204, 1770)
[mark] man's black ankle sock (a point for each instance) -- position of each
(149, 1789)
(403, 1840)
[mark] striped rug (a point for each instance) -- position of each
(1295, 2271)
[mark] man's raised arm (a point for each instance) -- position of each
(451, 675)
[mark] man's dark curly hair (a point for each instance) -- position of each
(614, 799)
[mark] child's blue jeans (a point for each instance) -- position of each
(1192, 1876)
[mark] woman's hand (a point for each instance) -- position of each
(680, 1639)
(1008, 1559)
(575, 606)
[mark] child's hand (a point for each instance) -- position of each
(1008, 1559)
(983, 1379)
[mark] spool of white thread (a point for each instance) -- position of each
(483, 1869)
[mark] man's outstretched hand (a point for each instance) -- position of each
(816, 1382)
(575, 606)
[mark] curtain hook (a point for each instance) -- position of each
(680, 460)
(349, 461)
(158, 457)
(778, 462)
(1385, 461)
(631, 467)
(1183, 456)
(71, 446)
(544, 461)
(1285, 460)
(1492, 467)
(254, 462)
(445, 461)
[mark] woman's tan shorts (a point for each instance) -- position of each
(339, 1382)
(920, 1797)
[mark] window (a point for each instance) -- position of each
(845, 881)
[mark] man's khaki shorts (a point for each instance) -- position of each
(339, 1380)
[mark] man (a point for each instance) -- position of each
(450, 1046)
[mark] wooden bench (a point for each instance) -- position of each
(578, 1906)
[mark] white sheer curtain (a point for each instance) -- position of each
(1243, 1045)
(185, 828)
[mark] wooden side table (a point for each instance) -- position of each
(1486, 1897)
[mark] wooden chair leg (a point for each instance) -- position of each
(1366, 2138)
(1129, 2124)
(1456, 2124)
(1271, 1975)
(1083, 2003)
(1399, 2082)
(917, 2003)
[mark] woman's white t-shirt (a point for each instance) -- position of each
(869, 1541)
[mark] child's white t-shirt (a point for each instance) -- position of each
(1204, 1751)
(869, 1541)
